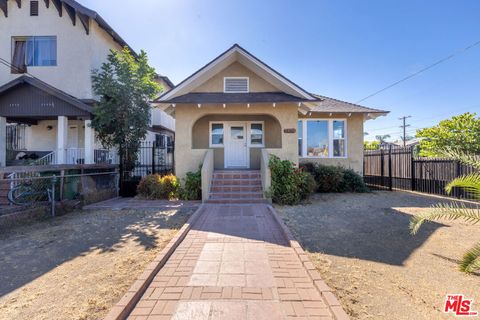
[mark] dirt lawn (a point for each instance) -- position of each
(79, 265)
(362, 246)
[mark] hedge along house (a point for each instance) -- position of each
(236, 111)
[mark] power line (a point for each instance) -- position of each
(422, 70)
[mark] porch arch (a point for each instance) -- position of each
(272, 129)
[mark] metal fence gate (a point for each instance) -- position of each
(149, 158)
(400, 168)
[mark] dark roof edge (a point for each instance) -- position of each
(371, 110)
(47, 88)
(100, 21)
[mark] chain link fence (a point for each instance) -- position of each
(35, 189)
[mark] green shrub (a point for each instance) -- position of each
(157, 187)
(192, 189)
(353, 182)
(329, 178)
(290, 185)
(335, 179)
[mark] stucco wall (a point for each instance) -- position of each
(77, 52)
(354, 159)
(40, 138)
(215, 84)
(188, 159)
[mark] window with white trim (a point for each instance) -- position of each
(236, 85)
(216, 134)
(33, 52)
(256, 134)
(322, 138)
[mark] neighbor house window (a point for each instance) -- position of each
(216, 134)
(236, 85)
(256, 134)
(319, 138)
(33, 52)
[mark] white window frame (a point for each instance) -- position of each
(330, 138)
(210, 134)
(225, 84)
(249, 134)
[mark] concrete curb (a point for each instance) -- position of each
(330, 299)
(127, 303)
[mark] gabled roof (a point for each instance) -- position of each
(47, 89)
(74, 9)
(236, 53)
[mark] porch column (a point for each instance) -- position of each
(62, 135)
(3, 141)
(89, 143)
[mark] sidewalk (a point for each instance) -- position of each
(235, 263)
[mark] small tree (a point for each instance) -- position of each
(461, 133)
(454, 211)
(382, 138)
(125, 85)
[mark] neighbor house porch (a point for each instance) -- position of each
(41, 125)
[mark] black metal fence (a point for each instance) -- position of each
(400, 168)
(149, 158)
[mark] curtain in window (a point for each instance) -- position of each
(18, 61)
(45, 53)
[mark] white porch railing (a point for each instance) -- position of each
(75, 156)
(105, 156)
(46, 160)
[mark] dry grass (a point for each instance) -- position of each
(361, 245)
(79, 265)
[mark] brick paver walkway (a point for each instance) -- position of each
(234, 264)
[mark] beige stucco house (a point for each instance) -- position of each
(237, 110)
(48, 50)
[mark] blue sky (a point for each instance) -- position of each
(343, 49)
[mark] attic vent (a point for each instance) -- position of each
(33, 8)
(236, 85)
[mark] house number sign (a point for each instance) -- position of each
(290, 130)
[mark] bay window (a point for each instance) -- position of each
(322, 138)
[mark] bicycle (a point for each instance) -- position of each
(25, 194)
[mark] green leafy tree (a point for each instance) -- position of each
(455, 210)
(371, 145)
(125, 84)
(460, 132)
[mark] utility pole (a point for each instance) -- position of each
(404, 127)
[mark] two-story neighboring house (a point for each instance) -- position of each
(48, 50)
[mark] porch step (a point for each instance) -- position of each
(238, 186)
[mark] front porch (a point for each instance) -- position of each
(53, 142)
(41, 125)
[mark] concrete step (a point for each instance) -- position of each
(236, 195)
(236, 175)
(235, 188)
(227, 200)
(237, 182)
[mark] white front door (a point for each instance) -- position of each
(72, 139)
(236, 152)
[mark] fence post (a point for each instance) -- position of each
(120, 169)
(54, 181)
(413, 171)
(153, 157)
(390, 178)
(382, 168)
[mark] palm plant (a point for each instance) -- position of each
(456, 210)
